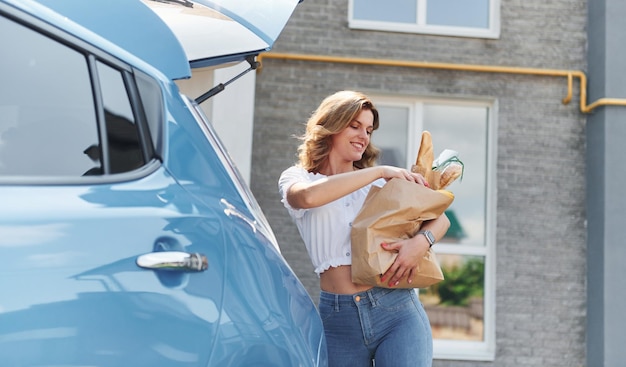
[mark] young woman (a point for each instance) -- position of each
(323, 193)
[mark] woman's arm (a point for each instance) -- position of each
(412, 250)
(303, 195)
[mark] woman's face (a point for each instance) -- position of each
(350, 144)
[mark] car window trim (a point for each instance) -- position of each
(147, 146)
(103, 139)
(152, 166)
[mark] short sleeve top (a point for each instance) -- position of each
(325, 230)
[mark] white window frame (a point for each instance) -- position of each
(456, 349)
(493, 32)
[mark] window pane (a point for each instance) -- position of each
(400, 11)
(47, 114)
(464, 129)
(391, 136)
(124, 147)
(467, 13)
(455, 306)
(458, 307)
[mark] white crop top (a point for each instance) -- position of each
(325, 230)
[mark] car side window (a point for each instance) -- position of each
(49, 110)
(122, 133)
(47, 113)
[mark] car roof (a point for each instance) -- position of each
(175, 35)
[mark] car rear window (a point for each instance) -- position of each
(123, 143)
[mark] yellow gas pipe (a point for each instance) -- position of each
(570, 74)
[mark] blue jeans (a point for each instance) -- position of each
(388, 326)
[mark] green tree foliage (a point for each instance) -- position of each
(462, 283)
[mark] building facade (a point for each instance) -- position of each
(489, 81)
(531, 95)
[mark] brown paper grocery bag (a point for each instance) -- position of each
(392, 213)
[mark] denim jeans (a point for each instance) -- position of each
(388, 326)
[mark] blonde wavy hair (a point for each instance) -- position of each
(332, 116)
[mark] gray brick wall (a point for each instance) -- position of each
(540, 252)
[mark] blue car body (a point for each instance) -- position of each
(127, 235)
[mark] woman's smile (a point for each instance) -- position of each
(356, 135)
(359, 146)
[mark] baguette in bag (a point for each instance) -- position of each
(440, 172)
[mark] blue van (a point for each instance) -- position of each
(127, 235)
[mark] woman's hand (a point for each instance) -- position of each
(389, 172)
(410, 252)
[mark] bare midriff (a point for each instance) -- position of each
(338, 280)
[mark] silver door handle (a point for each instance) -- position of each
(174, 261)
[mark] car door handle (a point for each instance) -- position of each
(173, 261)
